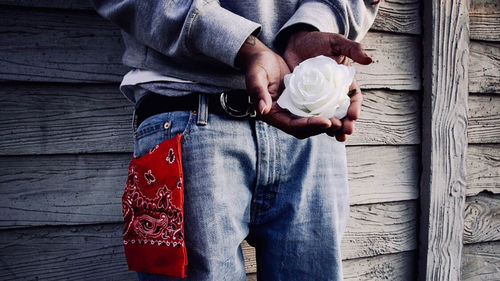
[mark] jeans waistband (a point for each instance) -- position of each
(232, 103)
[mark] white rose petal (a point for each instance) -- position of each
(318, 86)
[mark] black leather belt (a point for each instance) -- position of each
(234, 103)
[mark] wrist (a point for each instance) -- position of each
(285, 36)
(251, 48)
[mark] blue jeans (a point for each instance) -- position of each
(247, 180)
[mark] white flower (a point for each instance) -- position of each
(318, 86)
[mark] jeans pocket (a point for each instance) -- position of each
(157, 128)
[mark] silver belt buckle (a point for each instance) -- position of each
(234, 112)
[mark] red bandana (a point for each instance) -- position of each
(153, 234)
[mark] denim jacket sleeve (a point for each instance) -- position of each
(351, 18)
(181, 29)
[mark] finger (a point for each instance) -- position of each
(299, 127)
(340, 137)
(348, 126)
(336, 126)
(257, 87)
(354, 110)
(342, 46)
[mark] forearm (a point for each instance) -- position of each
(351, 18)
(181, 29)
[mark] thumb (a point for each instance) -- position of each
(257, 87)
(343, 46)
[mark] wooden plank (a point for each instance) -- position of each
(64, 253)
(57, 119)
(400, 266)
(484, 18)
(444, 139)
(396, 62)
(62, 189)
(95, 251)
(481, 262)
(383, 228)
(395, 16)
(55, 46)
(402, 16)
(87, 189)
(64, 119)
(484, 119)
(59, 4)
(483, 169)
(249, 257)
(390, 171)
(482, 218)
(388, 118)
(484, 67)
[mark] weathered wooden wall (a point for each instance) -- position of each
(481, 252)
(66, 141)
(66, 149)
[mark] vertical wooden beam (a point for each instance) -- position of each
(444, 138)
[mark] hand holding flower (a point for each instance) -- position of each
(305, 44)
(318, 86)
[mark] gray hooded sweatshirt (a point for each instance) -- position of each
(198, 40)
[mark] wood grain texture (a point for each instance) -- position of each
(400, 16)
(382, 173)
(64, 119)
(388, 117)
(396, 62)
(483, 169)
(484, 67)
(484, 18)
(482, 218)
(400, 266)
(481, 262)
(444, 139)
(95, 252)
(59, 4)
(86, 189)
(484, 119)
(71, 46)
(64, 253)
(82, 118)
(250, 257)
(58, 46)
(62, 189)
(382, 228)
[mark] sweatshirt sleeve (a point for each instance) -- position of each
(351, 18)
(181, 28)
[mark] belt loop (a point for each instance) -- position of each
(202, 118)
(134, 121)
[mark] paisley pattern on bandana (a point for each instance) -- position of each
(170, 157)
(155, 221)
(152, 211)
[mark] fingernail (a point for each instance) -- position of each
(262, 106)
